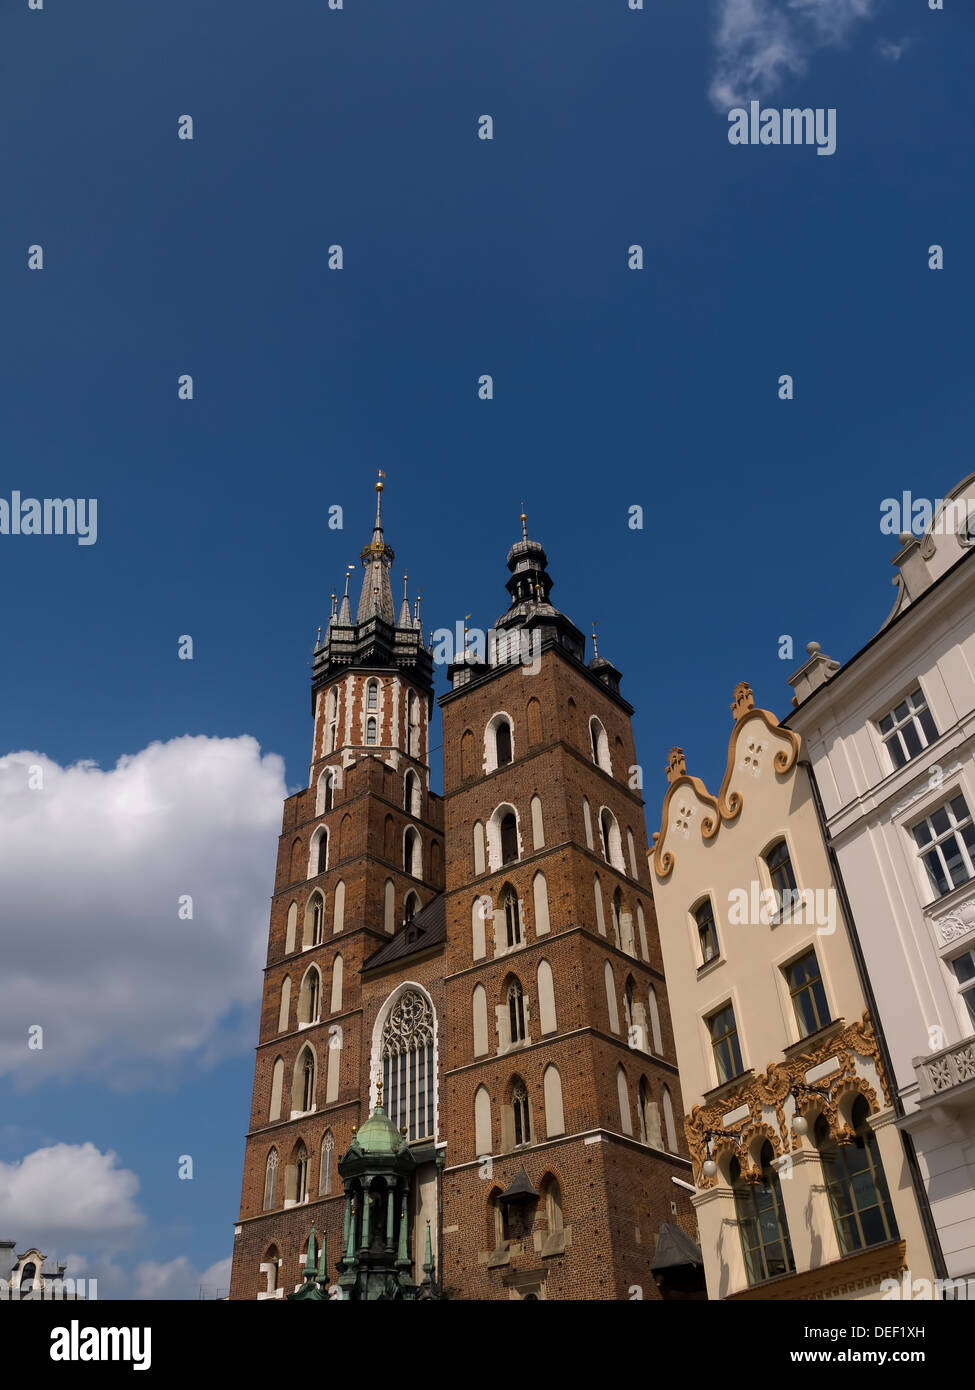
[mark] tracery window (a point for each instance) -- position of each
(408, 1075)
(516, 1012)
(519, 1104)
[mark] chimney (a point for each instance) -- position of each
(816, 672)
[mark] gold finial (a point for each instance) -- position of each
(405, 578)
(466, 616)
(675, 764)
(524, 522)
(743, 701)
(379, 499)
(319, 642)
(595, 649)
(379, 1089)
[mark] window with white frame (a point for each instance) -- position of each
(408, 1074)
(946, 843)
(907, 728)
(964, 968)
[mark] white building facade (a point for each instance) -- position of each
(890, 737)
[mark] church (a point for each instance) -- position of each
(465, 1084)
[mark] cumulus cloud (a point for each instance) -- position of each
(69, 1193)
(893, 51)
(93, 865)
(761, 43)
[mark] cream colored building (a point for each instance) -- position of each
(803, 1186)
(891, 739)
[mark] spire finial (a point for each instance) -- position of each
(348, 576)
(379, 1089)
(595, 649)
(405, 578)
(466, 616)
(524, 522)
(379, 499)
(318, 640)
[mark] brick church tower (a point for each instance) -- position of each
(483, 966)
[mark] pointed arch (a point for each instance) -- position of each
(404, 1051)
(623, 1094)
(538, 826)
(338, 912)
(670, 1129)
(641, 924)
(412, 852)
(554, 1113)
(631, 851)
(483, 1139)
(277, 1086)
(479, 909)
(479, 864)
(345, 837)
(610, 839)
(411, 906)
(655, 1022)
(587, 821)
(389, 906)
(480, 1020)
(325, 1165)
(412, 725)
(335, 1001)
(503, 836)
(296, 861)
(389, 839)
(511, 908)
(292, 929)
(310, 996)
(412, 796)
(314, 924)
(296, 1176)
(284, 1008)
(540, 903)
(467, 768)
(546, 998)
(499, 741)
(600, 745)
(332, 1064)
(534, 721)
(610, 983)
(271, 1180)
(304, 1082)
(616, 903)
(598, 892)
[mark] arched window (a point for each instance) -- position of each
(372, 695)
(479, 864)
(779, 864)
(480, 1020)
(309, 999)
(502, 741)
(618, 917)
(326, 784)
(271, 1180)
(516, 1012)
(301, 1173)
(371, 732)
(412, 724)
(552, 1197)
(546, 998)
(338, 910)
(509, 838)
(482, 1122)
(325, 1171)
(27, 1276)
(856, 1183)
(407, 1056)
(600, 745)
(512, 916)
(628, 990)
(614, 1017)
(331, 720)
(321, 861)
(538, 826)
(534, 721)
(522, 1113)
(296, 861)
(669, 1125)
(587, 821)
(277, 1086)
(762, 1221)
(480, 909)
(612, 844)
(626, 1120)
(314, 921)
(631, 849)
(411, 908)
(707, 932)
(655, 1022)
(284, 1010)
(642, 930)
(269, 1268)
(642, 1103)
(554, 1111)
(411, 800)
(335, 999)
(303, 1087)
(389, 906)
(292, 929)
(467, 754)
(411, 853)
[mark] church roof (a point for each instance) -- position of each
(428, 928)
(675, 1248)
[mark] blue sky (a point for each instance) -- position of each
(613, 388)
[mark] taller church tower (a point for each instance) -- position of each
(479, 974)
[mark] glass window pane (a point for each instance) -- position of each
(932, 862)
(886, 724)
(912, 740)
(951, 849)
(928, 725)
(939, 819)
(965, 967)
(959, 808)
(901, 712)
(922, 833)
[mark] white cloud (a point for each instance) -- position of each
(68, 1192)
(92, 865)
(891, 51)
(178, 1279)
(761, 43)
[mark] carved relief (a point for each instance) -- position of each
(769, 1091)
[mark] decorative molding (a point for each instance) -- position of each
(723, 807)
(767, 1092)
(956, 923)
(921, 791)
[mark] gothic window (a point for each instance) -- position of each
(509, 838)
(655, 1022)
(322, 858)
(411, 853)
(271, 1180)
(642, 1102)
(553, 1208)
(600, 745)
(618, 917)
(309, 999)
(534, 721)
(857, 1187)
(372, 695)
(669, 1125)
(314, 921)
(325, 1174)
(412, 724)
(512, 917)
(628, 1004)
(301, 1174)
(502, 738)
(612, 843)
(328, 788)
(522, 1115)
(467, 754)
(303, 1088)
(411, 800)
(371, 731)
(762, 1221)
(412, 907)
(331, 721)
(516, 1012)
(409, 1082)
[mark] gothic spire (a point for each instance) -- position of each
(404, 613)
(345, 612)
(376, 598)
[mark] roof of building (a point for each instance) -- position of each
(675, 1248)
(428, 928)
